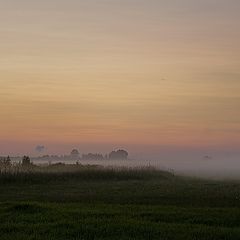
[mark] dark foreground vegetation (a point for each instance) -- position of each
(66, 202)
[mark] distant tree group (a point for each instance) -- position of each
(6, 164)
(119, 154)
(114, 155)
(25, 164)
(75, 155)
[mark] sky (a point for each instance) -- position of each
(119, 73)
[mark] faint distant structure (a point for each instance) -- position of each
(74, 154)
(207, 157)
(118, 155)
(92, 156)
(40, 148)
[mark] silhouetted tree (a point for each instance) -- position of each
(5, 164)
(119, 154)
(26, 162)
(74, 153)
(8, 161)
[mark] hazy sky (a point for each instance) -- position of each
(119, 72)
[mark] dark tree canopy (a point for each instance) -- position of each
(119, 154)
(8, 161)
(5, 163)
(26, 161)
(75, 152)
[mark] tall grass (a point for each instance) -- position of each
(79, 172)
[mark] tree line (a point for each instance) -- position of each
(7, 165)
(75, 155)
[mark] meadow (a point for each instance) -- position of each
(68, 202)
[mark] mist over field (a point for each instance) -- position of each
(212, 162)
(206, 162)
(218, 166)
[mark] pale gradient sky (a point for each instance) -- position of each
(119, 72)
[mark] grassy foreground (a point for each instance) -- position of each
(98, 203)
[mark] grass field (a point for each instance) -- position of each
(98, 203)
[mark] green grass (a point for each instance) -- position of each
(99, 203)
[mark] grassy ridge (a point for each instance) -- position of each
(104, 203)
